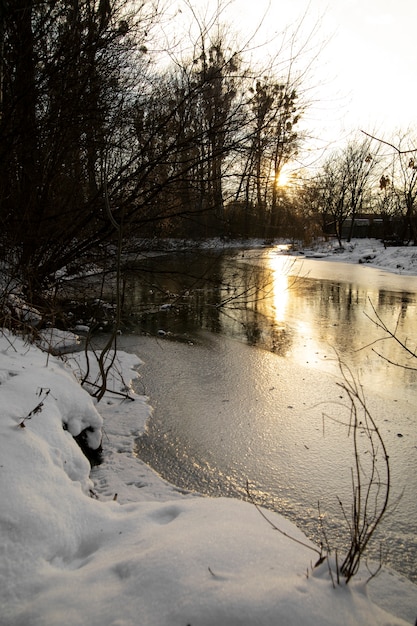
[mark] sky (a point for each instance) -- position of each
(365, 74)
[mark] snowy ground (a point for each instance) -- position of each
(397, 259)
(118, 546)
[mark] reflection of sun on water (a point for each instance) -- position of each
(280, 270)
(306, 348)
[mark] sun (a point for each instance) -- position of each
(283, 177)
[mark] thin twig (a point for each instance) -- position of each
(391, 145)
(260, 511)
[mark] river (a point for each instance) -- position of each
(240, 354)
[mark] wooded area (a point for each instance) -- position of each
(102, 135)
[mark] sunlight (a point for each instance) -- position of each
(280, 272)
(283, 177)
(284, 280)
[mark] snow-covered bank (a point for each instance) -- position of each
(397, 259)
(74, 552)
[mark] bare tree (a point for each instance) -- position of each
(271, 143)
(401, 182)
(360, 164)
(82, 104)
(408, 188)
(342, 184)
(331, 196)
(64, 92)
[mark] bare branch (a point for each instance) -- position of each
(260, 511)
(391, 145)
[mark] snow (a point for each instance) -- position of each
(396, 259)
(116, 545)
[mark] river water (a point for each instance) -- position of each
(240, 364)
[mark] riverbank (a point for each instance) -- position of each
(372, 252)
(122, 547)
(119, 546)
(396, 259)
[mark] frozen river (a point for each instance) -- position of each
(244, 388)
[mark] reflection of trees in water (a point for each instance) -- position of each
(343, 312)
(205, 290)
(250, 307)
(389, 299)
(226, 292)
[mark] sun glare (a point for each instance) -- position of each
(280, 269)
(283, 177)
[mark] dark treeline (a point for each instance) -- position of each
(94, 133)
(100, 136)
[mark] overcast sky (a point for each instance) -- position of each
(367, 68)
(365, 76)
